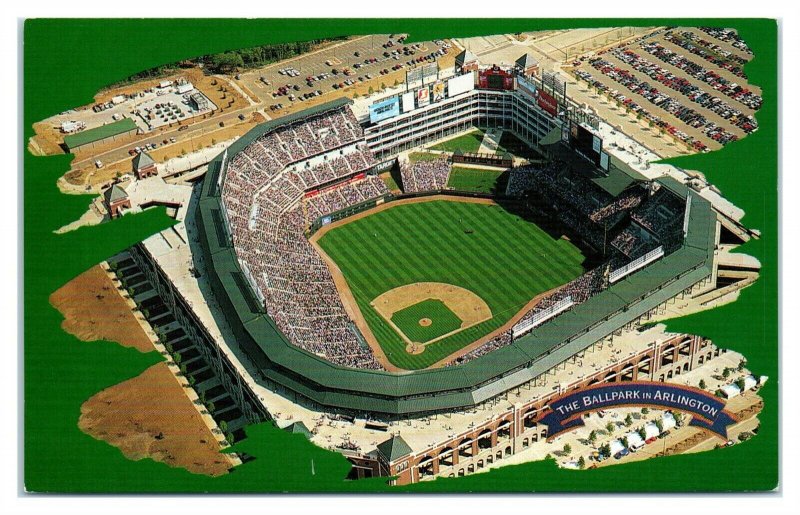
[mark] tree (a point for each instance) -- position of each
(223, 426)
(628, 420)
(230, 438)
(740, 384)
(741, 365)
(581, 463)
(610, 427)
(625, 441)
(726, 373)
(211, 407)
(383, 85)
(371, 90)
(642, 433)
(660, 425)
(593, 436)
(678, 418)
(225, 63)
(567, 448)
(645, 410)
(605, 450)
(177, 358)
(702, 384)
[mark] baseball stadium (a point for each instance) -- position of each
(425, 270)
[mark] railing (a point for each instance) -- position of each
(541, 317)
(636, 264)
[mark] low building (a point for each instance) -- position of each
(144, 166)
(120, 130)
(466, 61)
(199, 101)
(117, 200)
(527, 65)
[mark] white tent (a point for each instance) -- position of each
(651, 430)
(750, 382)
(668, 421)
(635, 441)
(615, 446)
(730, 391)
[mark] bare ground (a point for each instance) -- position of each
(93, 309)
(150, 416)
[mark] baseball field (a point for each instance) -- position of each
(432, 277)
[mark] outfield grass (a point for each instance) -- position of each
(469, 142)
(499, 256)
(480, 181)
(442, 320)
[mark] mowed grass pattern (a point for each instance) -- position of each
(473, 179)
(469, 142)
(505, 260)
(442, 320)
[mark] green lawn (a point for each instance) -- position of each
(499, 256)
(442, 320)
(481, 181)
(469, 142)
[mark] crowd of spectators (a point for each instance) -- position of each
(425, 175)
(262, 192)
(346, 195)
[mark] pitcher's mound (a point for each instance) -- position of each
(425, 322)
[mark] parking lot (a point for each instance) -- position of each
(682, 81)
(360, 60)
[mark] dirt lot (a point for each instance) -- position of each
(48, 136)
(150, 416)
(94, 310)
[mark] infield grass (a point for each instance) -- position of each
(501, 257)
(442, 320)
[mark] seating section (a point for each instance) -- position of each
(425, 175)
(263, 191)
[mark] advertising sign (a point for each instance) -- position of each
(604, 161)
(547, 102)
(408, 102)
(423, 97)
(460, 84)
(438, 91)
(597, 144)
(388, 108)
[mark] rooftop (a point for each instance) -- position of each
(99, 133)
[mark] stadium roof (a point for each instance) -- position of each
(99, 133)
(451, 387)
(616, 181)
(394, 448)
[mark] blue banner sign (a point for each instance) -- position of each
(384, 109)
(707, 410)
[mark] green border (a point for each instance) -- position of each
(52, 406)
